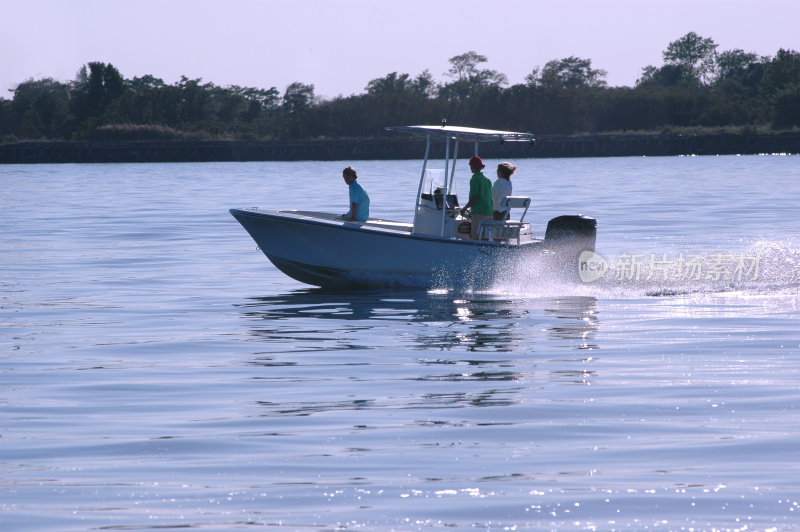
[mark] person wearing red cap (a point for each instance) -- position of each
(480, 196)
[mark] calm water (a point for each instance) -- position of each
(157, 372)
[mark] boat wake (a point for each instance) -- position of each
(765, 268)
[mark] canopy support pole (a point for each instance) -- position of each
(453, 167)
(444, 198)
(421, 179)
(448, 184)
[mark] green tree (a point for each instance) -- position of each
(146, 83)
(41, 109)
(741, 66)
(260, 101)
(780, 88)
(298, 96)
(532, 79)
(391, 83)
(297, 120)
(781, 73)
(394, 83)
(468, 79)
(564, 97)
(696, 56)
(424, 85)
(667, 76)
(149, 100)
(95, 87)
(195, 102)
(104, 84)
(569, 73)
(786, 107)
(113, 83)
(7, 122)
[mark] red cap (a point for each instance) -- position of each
(477, 161)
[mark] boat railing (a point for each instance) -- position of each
(505, 230)
(499, 230)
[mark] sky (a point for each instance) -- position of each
(340, 45)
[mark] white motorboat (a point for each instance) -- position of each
(323, 249)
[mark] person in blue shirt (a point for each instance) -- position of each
(359, 201)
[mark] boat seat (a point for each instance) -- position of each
(505, 229)
(518, 202)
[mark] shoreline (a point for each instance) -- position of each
(548, 146)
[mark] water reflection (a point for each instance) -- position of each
(372, 354)
(314, 319)
(480, 326)
(576, 320)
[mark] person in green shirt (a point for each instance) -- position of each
(480, 196)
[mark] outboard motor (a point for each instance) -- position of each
(571, 230)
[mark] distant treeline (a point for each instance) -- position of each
(696, 87)
(399, 147)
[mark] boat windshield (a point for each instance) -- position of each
(432, 189)
(433, 180)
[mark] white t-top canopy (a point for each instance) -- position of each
(465, 133)
(459, 134)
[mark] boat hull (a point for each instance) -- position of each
(323, 250)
